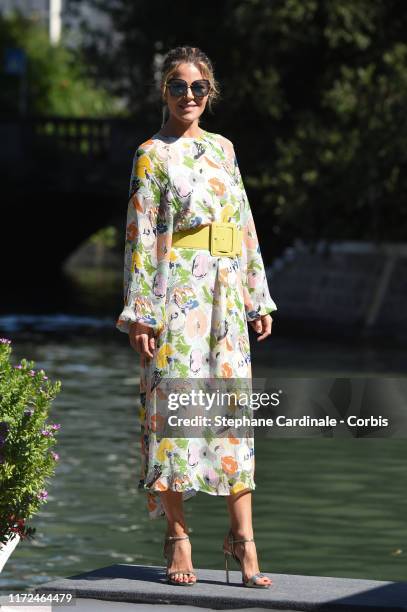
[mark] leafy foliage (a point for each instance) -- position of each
(57, 79)
(312, 94)
(26, 440)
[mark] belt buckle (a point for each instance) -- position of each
(224, 239)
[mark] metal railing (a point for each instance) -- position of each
(52, 138)
(89, 138)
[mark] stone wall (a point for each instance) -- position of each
(356, 284)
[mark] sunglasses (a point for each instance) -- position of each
(179, 87)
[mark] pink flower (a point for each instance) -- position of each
(252, 279)
(210, 476)
(182, 186)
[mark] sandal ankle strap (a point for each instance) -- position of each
(184, 537)
(233, 541)
(244, 540)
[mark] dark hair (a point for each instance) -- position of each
(189, 55)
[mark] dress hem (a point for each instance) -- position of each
(193, 490)
(155, 508)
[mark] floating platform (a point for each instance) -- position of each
(139, 584)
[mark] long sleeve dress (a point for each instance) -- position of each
(198, 304)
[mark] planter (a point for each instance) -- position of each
(5, 551)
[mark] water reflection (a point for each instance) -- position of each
(322, 507)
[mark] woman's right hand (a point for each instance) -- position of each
(142, 339)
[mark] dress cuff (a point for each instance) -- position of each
(260, 310)
(141, 310)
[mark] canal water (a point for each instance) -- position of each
(328, 507)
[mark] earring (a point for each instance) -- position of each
(164, 108)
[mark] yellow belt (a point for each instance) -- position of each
(220, 238)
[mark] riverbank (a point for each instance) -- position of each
(338, 289)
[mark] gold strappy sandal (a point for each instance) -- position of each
(250, 582)
(170, 575)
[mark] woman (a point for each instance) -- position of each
(187, 307)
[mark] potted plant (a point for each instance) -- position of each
(26, 441)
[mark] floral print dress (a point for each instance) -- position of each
(197, 304)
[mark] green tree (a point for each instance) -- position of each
(313, 95)
(57, 76)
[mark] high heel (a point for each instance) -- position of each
(170, 575)
(226, 565)
(250, 582)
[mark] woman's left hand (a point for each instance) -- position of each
(262, 326)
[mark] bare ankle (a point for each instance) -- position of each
(177, 528)
(242, 534)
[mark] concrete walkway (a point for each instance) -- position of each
(138, 584)
(97, 605)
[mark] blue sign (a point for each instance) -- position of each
(15, 61)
